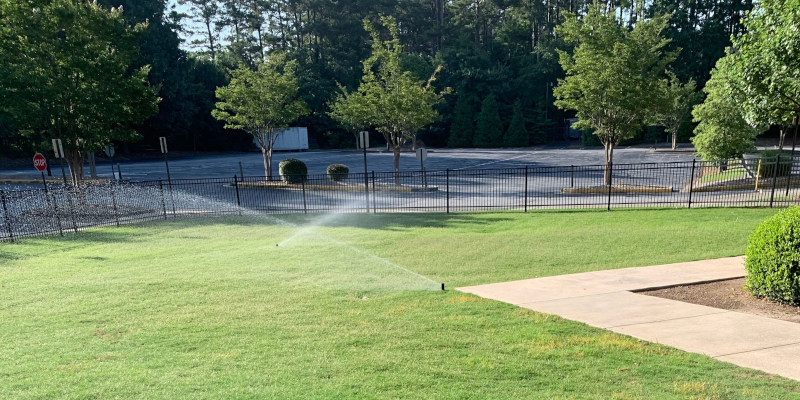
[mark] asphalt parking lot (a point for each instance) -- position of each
(227, 165)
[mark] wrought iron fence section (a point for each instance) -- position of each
(61, 209)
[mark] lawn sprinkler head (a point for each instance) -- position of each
(443, 287)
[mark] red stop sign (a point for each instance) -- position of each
(39, 162)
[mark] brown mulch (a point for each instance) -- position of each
(729, 295)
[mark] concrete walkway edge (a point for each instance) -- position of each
(607, 299)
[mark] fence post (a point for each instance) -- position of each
(238, 200)
(526, 189)
(366, 190)
(72, 206)
(789, 178)
(114, 203)
(374, 195)
(447, 188)
(610, 183)
(6, 216)
(774, 179)
(163, 203)
(571, 176)
(52, 196)
(305, 206)
(691, 182)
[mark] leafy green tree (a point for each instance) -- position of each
(723, 132)
(463, 126)
(394, 102)
(353, 111)
(490, 128)
(677, 102)
(261, 102)
(611, 75)
(67, 73)
(516, 135)
(766, 61)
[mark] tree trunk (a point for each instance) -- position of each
(267, 162)
(92, 166)
(784, 129)
(609, 157)
(396, 151)
(674, 139)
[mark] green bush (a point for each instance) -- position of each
(768, 161)
(293, 170)
(338, 172)
(773, 258)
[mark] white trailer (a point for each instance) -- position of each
(291, 139)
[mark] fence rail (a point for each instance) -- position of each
(60, 209)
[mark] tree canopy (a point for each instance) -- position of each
(261, 102)
(613, 75)
(68, 74)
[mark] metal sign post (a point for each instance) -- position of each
(58, 150)
(363, 141)
(163, 141)
(109, 150)
(422, 155)
(40, 163)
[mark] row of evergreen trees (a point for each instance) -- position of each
(487, 129)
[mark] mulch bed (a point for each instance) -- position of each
(728, 295)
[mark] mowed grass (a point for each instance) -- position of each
(211, 308)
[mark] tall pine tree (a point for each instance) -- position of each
(516, 135)
(463, 126)
(490, 127)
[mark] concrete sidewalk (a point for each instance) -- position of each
(605, 299)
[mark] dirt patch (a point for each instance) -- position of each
(728, 295)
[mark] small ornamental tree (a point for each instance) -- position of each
(489, 132)
(262, 102)
(722, 131)
(676, 105)
(766, 62)
(462, 127)
(516, 135)
(612, 74)
(392, 100)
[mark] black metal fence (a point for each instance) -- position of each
(765, 182)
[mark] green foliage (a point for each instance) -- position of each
(677, 101)
(261, 102)
(293, 170)
(766, 64)
(462, 127)
(68, 72)
(773, 256)
(516, 135)
(612, 74)
(390, 99)
(589, 139)
(722, 131)
(489, 132)
(337, 172)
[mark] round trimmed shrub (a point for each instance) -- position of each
(293, 170)
(338, 172)
(773, 258)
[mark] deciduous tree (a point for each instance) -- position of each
(261, 102)
(611, 75)
(67, 74)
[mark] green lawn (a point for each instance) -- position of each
(211, 308)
